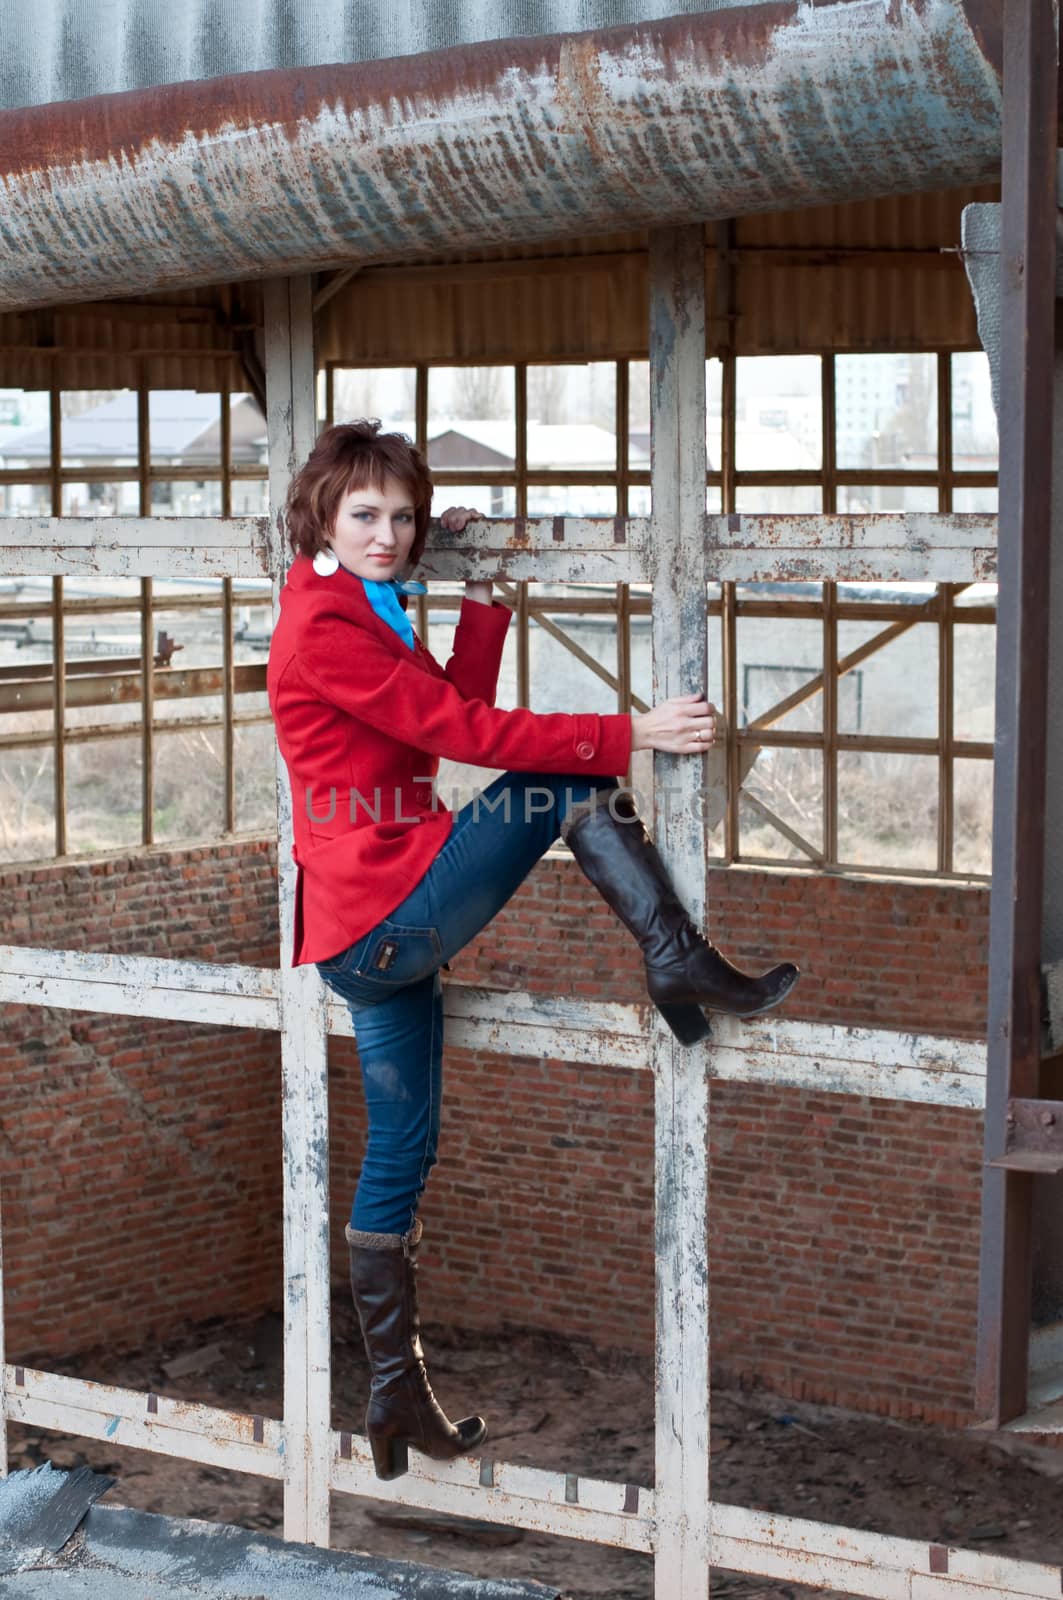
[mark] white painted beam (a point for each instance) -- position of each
(177, 1428)
(140, 986)
(761, 1543)
(857, 1563)
(134, 547)
(290, 391)
(834, 1059)
(680, 666)
(911, 548)
(498, 1491)
(514, 1023)
(563, 1503)
(915, 547)
(828, 1057)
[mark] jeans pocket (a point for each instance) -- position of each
(387, 957)
(396, 954)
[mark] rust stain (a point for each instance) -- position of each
(413, 87)
(687, 118)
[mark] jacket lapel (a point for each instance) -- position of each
(350, 591)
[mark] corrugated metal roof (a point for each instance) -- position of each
(827, 304)
(802, 302)
(186, 340)
(72, 49)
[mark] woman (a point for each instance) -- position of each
(390, 885)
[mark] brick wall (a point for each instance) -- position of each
(142, 1166)
(140, 1158)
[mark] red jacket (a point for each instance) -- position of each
(362, 721)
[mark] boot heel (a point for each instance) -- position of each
(391, 1457)
(688, 1023)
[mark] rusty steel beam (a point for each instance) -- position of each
(693, 118)
(1027, 328)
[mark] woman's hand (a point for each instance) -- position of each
(682, 726)
(454, 520)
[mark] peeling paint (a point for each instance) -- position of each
(697, 117)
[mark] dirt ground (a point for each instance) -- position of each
(569, 1408)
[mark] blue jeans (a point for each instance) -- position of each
(390, 978)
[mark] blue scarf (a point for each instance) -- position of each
(384, 599)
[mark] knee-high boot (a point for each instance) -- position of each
(402, 1409)
(683, 970)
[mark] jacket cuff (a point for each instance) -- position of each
(602, 744)
(490, 620)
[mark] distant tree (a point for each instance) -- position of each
(547, 394)
(480, 394)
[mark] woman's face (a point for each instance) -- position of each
(374, 530)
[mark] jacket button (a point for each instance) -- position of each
(584, 750)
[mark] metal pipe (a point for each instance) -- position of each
(693, 118)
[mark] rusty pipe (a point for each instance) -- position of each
(697, 117)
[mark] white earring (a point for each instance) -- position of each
(325, 563)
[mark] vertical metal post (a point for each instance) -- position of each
(946, 682)
(421, 426)
(55, 461)
(623, 436)
(228, 677)
(55, 412)
(829, 415)
(59, 713)
(677, 545)
(729, 634)
(828, 412)
(946, 625)
(520, 409)
(623, 590)
(304, 1058)
(225, 420)
(228, 689)
(3, 1358)
(1027, 308)
(726, 317)
(830, 723)
(946, 465)
(147, 711)
(147, 620)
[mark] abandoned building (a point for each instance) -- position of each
(737, 325)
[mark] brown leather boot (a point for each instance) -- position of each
(402, 1408)
(683, 970)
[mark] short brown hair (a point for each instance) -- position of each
(354, 455)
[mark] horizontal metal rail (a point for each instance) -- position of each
(854, 1562)
(134, 547)
(762, 1543)
(528, 1497)
(179, 1428)
(827, 1057)
(914, 548)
